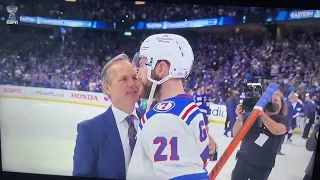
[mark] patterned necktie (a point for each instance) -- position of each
(132, 132)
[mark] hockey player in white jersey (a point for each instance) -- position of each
(172, 142)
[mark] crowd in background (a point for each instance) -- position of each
(41, 57)
(293, 62)
(33, 56)
(116, 11)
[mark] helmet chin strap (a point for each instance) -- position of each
(151, 95)
(153, 88)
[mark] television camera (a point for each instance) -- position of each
(253, 93)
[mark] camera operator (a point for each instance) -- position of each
(259, 147)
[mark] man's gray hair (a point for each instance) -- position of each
(105, 74)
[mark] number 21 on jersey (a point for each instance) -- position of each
(164, 143)
(173, 143)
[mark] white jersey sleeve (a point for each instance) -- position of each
(171, 145)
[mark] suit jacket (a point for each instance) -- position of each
(231, 110)
(310, 109)
(311, 145)
(290, 112)
(98, 152)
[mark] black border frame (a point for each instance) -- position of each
(296, 4)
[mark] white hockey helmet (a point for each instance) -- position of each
(170, 47)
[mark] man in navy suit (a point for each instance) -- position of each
(231, 111)
(310, 113)
(104, 143)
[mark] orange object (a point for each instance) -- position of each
(234, 143)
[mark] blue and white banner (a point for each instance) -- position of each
(293, 15)
(62, 22)
(186, 24)
(304, 14)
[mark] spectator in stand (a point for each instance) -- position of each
(116, 11)
(237, 58)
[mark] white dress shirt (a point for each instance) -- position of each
(123, 127)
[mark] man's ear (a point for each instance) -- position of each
(107, 89)
(162, 69)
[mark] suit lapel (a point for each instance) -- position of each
(112, 133)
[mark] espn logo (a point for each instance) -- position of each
(12, 18)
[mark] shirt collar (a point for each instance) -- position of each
(120, 115)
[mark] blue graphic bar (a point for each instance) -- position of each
(271, 17)
(293, 15)
(62, 22)
(186, 24)
(141, 25)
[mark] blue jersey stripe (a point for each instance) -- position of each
(205, 154)
(191, 117)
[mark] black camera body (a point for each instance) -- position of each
(254, 92)
(248, 103)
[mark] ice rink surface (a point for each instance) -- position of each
(39, 137)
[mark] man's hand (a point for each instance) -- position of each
(212, 145)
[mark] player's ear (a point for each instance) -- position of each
(163, 69)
